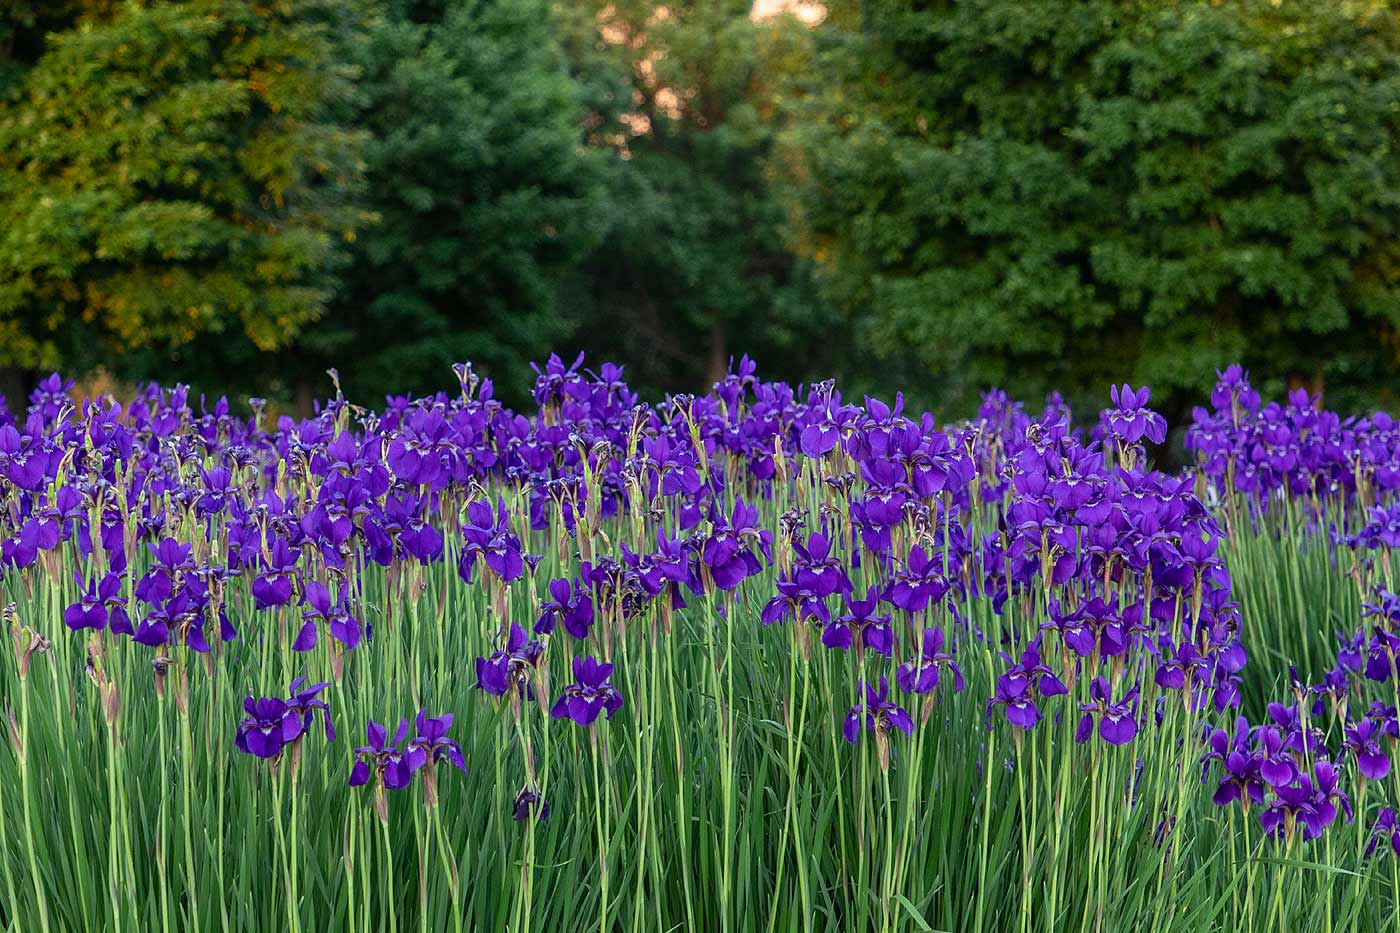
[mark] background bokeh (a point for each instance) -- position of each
(904, 194)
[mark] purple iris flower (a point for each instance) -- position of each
(394, 767)
(487, 535)
(728, 551)
(1330, 796)
(1241, 779)
(305, 702)
(529, 803)
(1298, 736)
(1118, 723)
(1386, 830)
(861, 626)
(1233, 391)
(172, 623)
(1179, 665)
(273, 586)
(1015, 695)
(1276, 763)
(343, 626)
(1382, 651)
(432, 742)
(171, 561)
(432, 738)
(420, 540)
(50, 397)
(571, 603)
(921, 674)
(591, 694)
(1292, 804)
(1351, 655)
(820, 438)
(1131, 420)
(1042, 679)
(1363, 742)
(1311, 804)
(509, 666)
(919, 583)
(1018, 689)
(22, 458)
(90, 611)
(794, 601)
(816, 570)
(269, 727)
(118, 620)
(1100, 628)
(879, 713)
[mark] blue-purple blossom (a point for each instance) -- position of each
(592, 693)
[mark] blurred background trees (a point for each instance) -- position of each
(1070, 192)
(933, 196)
(168, 171)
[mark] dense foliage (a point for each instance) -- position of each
(1054, 195)
(168, 170)
(940, 196)
(694, 260)
(757, 659)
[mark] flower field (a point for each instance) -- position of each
(764, 659)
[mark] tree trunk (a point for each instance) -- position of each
(719, 356)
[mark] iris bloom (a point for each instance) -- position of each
(432, 739)
(1130, 420)
(510, 666)
(919, 583)
(921, 674)
(815, 568)
(1386, 830)
(1117, 721)
(529, 803)
(343, 626)
(90, 611)
(591, 694)
(270, 726)
(1242, 779)
(394, 767)
(861, 626)
(487, 535)
(879, 713)
(273, 587)
(433, 742)
(1311, 805)
(1363, 741)
(728, 551)
(304, 700)
(570, 603)
(794, 601)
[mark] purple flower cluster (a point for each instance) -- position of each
(1294, 764)
(273, 725)
(393, 763)
(1103, 576)
(591, 694)
(1255, 450)
(1266, 766)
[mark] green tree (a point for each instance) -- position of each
(693, 266)
(169, 170)
(483, 197)
(485, 193)
(1068, 193)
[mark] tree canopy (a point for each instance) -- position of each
(945, 195)
(1067, 193)
(169, 170)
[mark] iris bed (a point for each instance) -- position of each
(762, 659)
